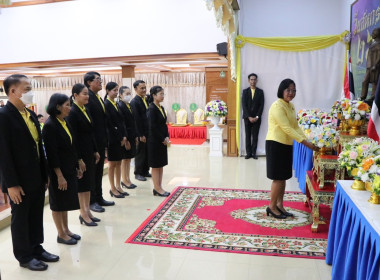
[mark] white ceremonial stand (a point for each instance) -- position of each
(216, 138)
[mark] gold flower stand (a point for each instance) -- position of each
(345, 137)
(316, 196)
(326, 169)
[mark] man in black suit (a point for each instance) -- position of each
(23, 174)
(253, 105)
(93, 82)
(139, 106)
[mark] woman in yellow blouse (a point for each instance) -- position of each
(282, 130)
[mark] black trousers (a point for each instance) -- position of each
(27, 226)
(251, 136)
(141, 159)
(97, 193)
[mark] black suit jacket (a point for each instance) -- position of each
(139, 112)
(252, 107)
(99, 119)
(60, 152)
(158, 129)
(115, 123)
(83, 131)
(129, 121)
(20, 164)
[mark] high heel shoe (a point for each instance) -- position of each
(287, 214)
(156, 193)
(269, 211)
(116, 195)
(132, 186)
(71, 241)
(94, 219)
(92, 224)
(122, 193)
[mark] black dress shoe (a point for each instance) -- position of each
(94, 219)
(76, 236)
(71, 241)
(116, 195)
(281, 216)
(254, 156)
(47, 257)
(247, 156)
(97, 208)
(132, 186)
(140, 178)
(156, 193)
(35, 265)
(104, 202)
(287, 214)
(147, 175)
(123, 193)
(91, 224)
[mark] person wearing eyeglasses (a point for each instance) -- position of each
(158, 139)
(93, 82)
(282, 129)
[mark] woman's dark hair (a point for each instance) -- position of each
(77, 88)
(12, 80)
(283, 86)
(110, 86)
(89, 77)
(153, 91)
(136, 83)
(122, 89)
(57, 99)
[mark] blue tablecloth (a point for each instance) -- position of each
(302, 162)
(353, 246)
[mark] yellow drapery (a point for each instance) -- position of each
(292, 44)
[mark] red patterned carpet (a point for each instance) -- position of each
(231, 220)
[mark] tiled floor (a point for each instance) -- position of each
(102, 253)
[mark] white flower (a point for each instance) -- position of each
(347, 117)
(320, 144)
(373, 169)
(357, 117)
(364, 177)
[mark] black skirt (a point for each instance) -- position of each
(114, 152)
(128, 154)
(63, 200)
(87, 182)
(279, 160)
(157, 154)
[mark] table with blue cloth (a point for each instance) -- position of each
(302, 162)
(353, 247)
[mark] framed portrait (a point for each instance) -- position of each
(365, 16)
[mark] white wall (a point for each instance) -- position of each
(103, 28)
(275, 18)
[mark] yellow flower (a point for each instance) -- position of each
(354, 171)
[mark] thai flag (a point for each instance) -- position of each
(349, 90)
(373, 130)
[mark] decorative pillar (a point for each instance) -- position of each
(232, 150)
(128, 75)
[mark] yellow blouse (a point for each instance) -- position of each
(113, 103)
(282, 123)
(32, 128)
(83, 109)
(64, 125)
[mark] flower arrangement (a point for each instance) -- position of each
(368, 169)
(216, 108)
(308, 119)
(323, 136)
(355, 110)
(376, 183)
(336, 109)
(357, 151)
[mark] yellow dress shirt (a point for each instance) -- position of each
(282, 123)
(113, 103)
(160, 108)
(83, 109)
(143, 99)
(32, 128)
(64, 125)
(253, 92)
(101, 102)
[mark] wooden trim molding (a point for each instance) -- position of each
(30, 3)
(232, 150)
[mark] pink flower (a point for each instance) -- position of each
(365, 147)
(353, 155)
